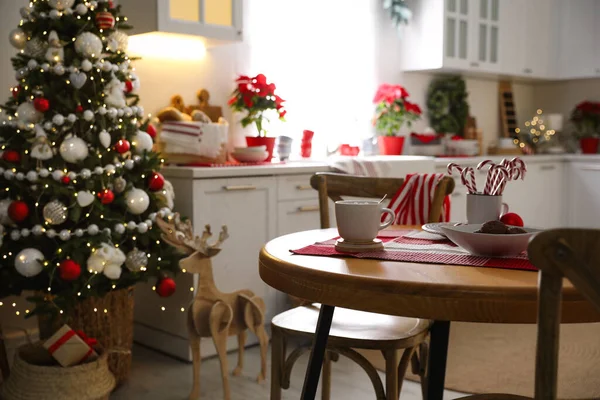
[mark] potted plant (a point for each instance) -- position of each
(586, 118)
(392, 112)
(256, 97)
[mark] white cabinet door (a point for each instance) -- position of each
(485, 35)
(457, 33)
(597, 39)
(296, 216)
(584, 195)
(577, 48)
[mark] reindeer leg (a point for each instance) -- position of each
(254, 317)
(195, 349)
(241, 343)
(219, 321)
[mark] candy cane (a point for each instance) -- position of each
(467, 177)
(455, 166)
(501, 176)
(520, 165)
(484, 163)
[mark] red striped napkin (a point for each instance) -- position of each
(413, 200)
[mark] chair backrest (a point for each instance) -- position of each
(335, 186)
(570, 253)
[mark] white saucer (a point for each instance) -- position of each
(353, 247)
(437, 227)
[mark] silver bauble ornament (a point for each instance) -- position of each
(17, 38)
(119, 185)
(61, 4)
(73, 149)
(4, 218)
(88, 45)
(27, 113)
(86, 65)
(36, 48)
(81, 9)
(136, 260)
(142, 142)
(29, 262)
(137, 201)
(55, 212)
(121, 39)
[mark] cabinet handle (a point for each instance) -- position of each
(474, 64)
(547, 167)
(308, 208)
(598, 70)
(591, 168)
(527, 70)
(239, 187)
(303, 187)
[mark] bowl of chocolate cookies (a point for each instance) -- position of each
(492, 239)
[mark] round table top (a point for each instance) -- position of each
(434, 291)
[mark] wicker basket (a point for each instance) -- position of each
(33, 377)
(113, 329)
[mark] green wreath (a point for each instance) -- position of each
(447, 105)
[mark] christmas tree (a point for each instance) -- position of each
(80, 184)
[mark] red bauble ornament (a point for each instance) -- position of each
(11, 156)
(111, 4)
(128, 86)
(66, 180)
(15, 91)
(69, 270)
(18, 211)
(41, 104)
(156, 181)
(151, 130)
(79, 108)
(106, 196)
(122, 146)
(512, 219)
(165, 287)
(105, 20)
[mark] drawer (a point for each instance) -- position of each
(295, 187)
(296, 216)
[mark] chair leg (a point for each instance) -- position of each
(326, 377)
(391, 374)
(277, 363)
(405, 361)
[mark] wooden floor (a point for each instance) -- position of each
(158, 377)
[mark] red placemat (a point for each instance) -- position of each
(231, 164)
(420, 247)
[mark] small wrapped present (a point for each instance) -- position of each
(70, 348)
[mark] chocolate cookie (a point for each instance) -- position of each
(494, 228)
(514, 230)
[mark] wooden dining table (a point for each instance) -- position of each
(442, 293)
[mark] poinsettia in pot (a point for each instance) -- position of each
(256, 97)
(392, 112)
(586, 118)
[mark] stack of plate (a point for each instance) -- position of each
(254, 154)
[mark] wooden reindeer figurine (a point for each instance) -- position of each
(213, 313)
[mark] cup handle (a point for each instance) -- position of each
(389, 212)
(504, 209)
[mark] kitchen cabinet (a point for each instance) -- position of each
(217, 21)
(584, 194)
(576, 48)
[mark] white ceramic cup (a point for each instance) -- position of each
(359, 221)
(482, 208)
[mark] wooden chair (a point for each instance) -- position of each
(355, 329)
(560, 253)
(4, 369)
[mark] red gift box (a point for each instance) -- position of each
(70, 348)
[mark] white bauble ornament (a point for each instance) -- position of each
(119, 228)
(142, 227)
(25, 232)
(85, 173)
(120, 112)
(61, 4)
(86, 65)
(142, 142)
(29, 262)
(81, 9)
(20, 176)
(37, 230)
(54, 14)
(84, 198)
(4, 218)
(44, 173)
(45, 67)
(51, 233)
(21, 73)
(78, 232)
(88, 45)
(137, 201)
(32, 64)
(32, 176)
(93, 229)
(41, 149)
(106, 66)
(59, 69)
(58, 119)
(55, 212)
(35, 48)
(113, 94)
(107, 259)
(77, 79)
(17, 38)
(15, 235)
(136, 260)
(88, 115)
(119, 185)
(122, 40)
(64, 235)
(27, 113)
(71, 118)
(98, 170)
(129, 164)
(131, 225)
(73, 149)
(104, 138)
(93, 4)
(112, 113)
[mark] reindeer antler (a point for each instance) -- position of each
(181, 236)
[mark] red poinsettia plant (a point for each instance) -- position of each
(393, 109)
(586, 118)
(256, 97)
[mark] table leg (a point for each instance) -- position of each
(436, 365)
(317, 354)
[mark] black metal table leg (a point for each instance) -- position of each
(436, 365)
(317, 354)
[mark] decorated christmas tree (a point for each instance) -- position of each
(80, 184)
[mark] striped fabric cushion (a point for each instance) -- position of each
(413, 200)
